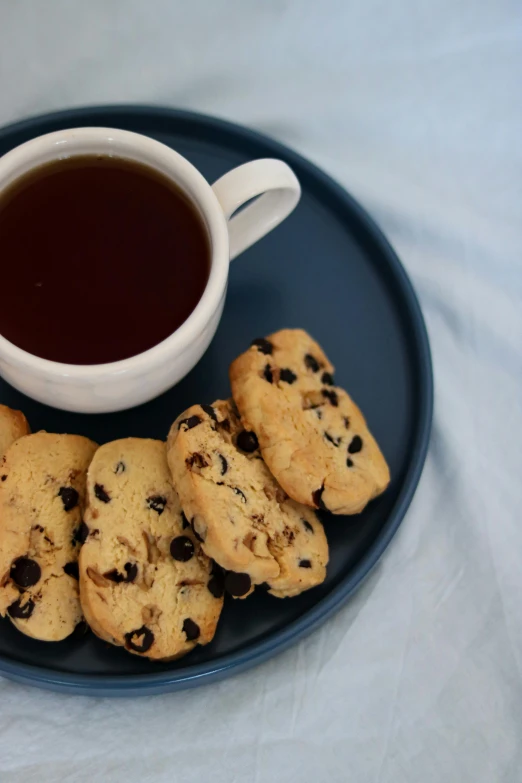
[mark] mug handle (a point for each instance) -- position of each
(278, 190)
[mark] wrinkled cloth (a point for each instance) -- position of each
(415, 106)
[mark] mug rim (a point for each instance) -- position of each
(169, 161)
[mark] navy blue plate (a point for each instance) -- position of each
(328, 269)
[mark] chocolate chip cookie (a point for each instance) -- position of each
(244, 520)
(13, 425)
(145, 584)
(42, 493)
(312, 436)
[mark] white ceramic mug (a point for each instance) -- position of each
(102, 388)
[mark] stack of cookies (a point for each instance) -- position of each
(143, 538)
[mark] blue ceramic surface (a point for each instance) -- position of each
(328, 269)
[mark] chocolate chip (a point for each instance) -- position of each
(157, 503)
(25, 572)
(332, 439)
(184, 521)
(191, 629)
(267, 373)
(319, 413)
(131, 572)
(209, 410)
(349, 462)
(131, 569)
(4, 477)
(216, 569)
(216, 586)
(308, 526)
(216, 583)
(287, 376)
(237, 584)
(189, 423)
(69, 497)
(356, 445)
(346, 421)
(224, 464)
(241, 494)
(247, 441)
(120, 468)
(331, 396)
(317, 498)
(328, 379)
(224, 425)
(101, 493)
(114, 575)
(181, 548)
(132, 639)
(263, 345)
(71, 569)
(21, 611)
(280, 495)
(312, 363)
(197, 460)
(305, 564)
(80, 534)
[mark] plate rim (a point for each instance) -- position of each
(242, 659)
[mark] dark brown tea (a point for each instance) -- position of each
(101, 259)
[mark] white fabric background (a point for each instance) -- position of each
(416, 106)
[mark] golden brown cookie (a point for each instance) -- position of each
(145, 584)
(13, 425)
(242, 517)
(42, 493)
(312, 436)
